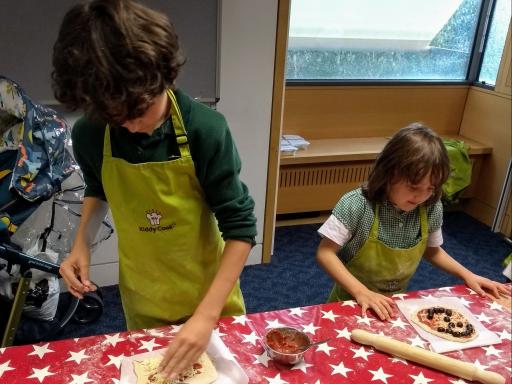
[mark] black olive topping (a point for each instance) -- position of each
(441, 329)
(459, 324)
(449, 312)
(451, 325)
(447, 319)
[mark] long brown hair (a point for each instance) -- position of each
(113, 57)
(410, 155)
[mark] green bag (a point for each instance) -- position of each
(460, 170)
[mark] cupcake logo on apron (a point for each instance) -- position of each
(153, 217)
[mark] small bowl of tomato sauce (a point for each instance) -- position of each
(286, 345)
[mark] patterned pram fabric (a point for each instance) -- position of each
(34, 159)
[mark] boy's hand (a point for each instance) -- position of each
(187, 346)
(381, 305)
(74, 270)
(486, 287)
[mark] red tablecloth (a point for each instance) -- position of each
(97, 359)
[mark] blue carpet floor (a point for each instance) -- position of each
(293, 278)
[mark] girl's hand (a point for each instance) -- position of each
(74, 270)
(486, 287)
(187, 346)
(381, 305)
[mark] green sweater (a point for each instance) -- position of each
(213, 150)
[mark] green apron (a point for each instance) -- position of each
(383, 269)
(169, 243)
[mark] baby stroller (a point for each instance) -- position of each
(41, 190)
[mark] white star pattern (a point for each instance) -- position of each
(361, 352)
(465, 302)
(217, 332)
(303, 366)
(116, 360)
(2, 350)
(366, 320)
(480, 365)
(398, 360)
(417, 342)
(483, 318)
(490, 350)
(420, 379)
(504, 335)
(77, 357)
(155, 333)
(340, 369)
(297, 311)
(350, 303)
(80, 379)
(495, 305)
(41, 350)
(251, 338)
(262, 359)
(149, 345)
(240, 319)
(112, 339)
(273, 324)
(447, 289)
(276, 379)
(40, 374)
(325, 348)
(471, 292)
(343, 333)
(429, 297)
(401, 296)
(380, 375)
(4, 367)
(398, 323)
(310, 328)
(329, 315)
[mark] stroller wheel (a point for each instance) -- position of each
(90, 308)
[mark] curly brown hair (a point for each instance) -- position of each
(410, 155)
(113, 57)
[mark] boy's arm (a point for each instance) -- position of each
(194, 336)
(438, 257)
(327, 258)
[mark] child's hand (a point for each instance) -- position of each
(486, 287)
(381, 305)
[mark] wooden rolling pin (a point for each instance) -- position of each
(430, 359)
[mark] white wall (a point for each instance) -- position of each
(247, 51)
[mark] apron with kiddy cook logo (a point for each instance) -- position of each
(381, 268)
(169, 243)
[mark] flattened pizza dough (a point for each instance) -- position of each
(201, 372)
(445, 322)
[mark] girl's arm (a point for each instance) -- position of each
(194, 335)
(438, 257)
(327, 258)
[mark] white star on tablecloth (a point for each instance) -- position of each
(149, 345)
(217, 332)
(240, 319)
(2, 350)
(41, 350)
(458, 381)
(504, 334)
(480, 365)
(262, 359)
(4, 367)
(420, 379)
(490, 350)
(401, 296)
(155, 332)
(380, 375)
(80, 379)
(395, 359)
(77, 357)
(329, 315)
(343, 333)
(417, 342)
(303, 366)
(428, 297)
(495, 305)
(340, 369)
(297, 311)
(112, 339)
(483, 318)
(471, 292)
(465, 302)
(398, 323)
(274, 324)
(447, 289)
(324, 348)
(310, 328)
(116, 360)
(275, 380)
(350, 303)
(361, 352)
(40, 374)
(367, 320)
(251, 338)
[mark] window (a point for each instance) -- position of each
(381, 40)
(495, 42)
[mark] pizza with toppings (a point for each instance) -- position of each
(445, 322)
(201, 372)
